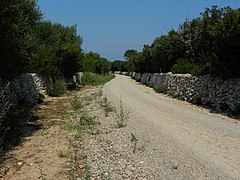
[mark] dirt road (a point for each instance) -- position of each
(196, 143)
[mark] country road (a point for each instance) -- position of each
(199, 144)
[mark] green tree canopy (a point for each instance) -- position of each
(209, 44)
(93, 62)
(18, 19)
(57, 50)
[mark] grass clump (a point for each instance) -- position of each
(162, 88)
(86, 120)
(85, 123)
(56, 89)
(92, 79)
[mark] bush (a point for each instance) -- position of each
(162, 88)
(58, 88)
(93, 79)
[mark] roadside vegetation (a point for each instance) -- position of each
(30, 44)
(208, 44)
(121, 116)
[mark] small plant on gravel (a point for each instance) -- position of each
(85, 124)
(121, 116)
(76, 103)
(134, 140)
(86, 120)
(42, 175)
(89, 98)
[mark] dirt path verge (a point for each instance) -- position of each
(46, 154)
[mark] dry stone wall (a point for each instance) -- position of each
(28, 88)
(219, 94)
(24, 90)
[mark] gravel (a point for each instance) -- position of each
(167, 146)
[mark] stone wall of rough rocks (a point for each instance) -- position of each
(24, 90)
(219, 94)
(29, 87)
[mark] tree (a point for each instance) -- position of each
(18, 20)
(206, 45)
(56, 50)
(93, 62)
(130, 55)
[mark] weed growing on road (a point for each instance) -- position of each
(121, 116)
(134, 140)
(42, 175)
(86, 120)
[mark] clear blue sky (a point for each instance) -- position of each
(110, 27)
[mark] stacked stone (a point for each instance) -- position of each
(219, 94)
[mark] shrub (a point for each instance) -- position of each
(162, 88)
(58, 88)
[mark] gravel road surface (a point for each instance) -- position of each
(180, 140)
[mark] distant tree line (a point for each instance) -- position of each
(209, 44)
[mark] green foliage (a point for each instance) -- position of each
(95, 79)
(162, 88)
(83, 125)
(18, 20)
(129, 54)
(58, 88)
(56, 51)
(77, 103)
(119, 66)
(94, 63)
(86, 120)
(205, 45)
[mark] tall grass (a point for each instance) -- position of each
(92, 79)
